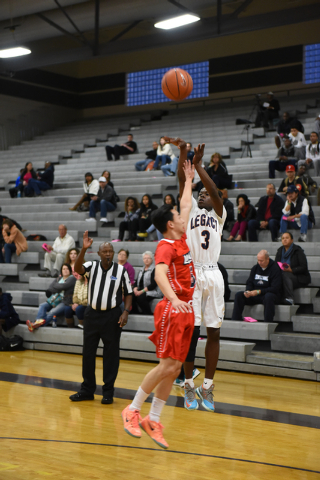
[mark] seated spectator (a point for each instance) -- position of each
(15, 241)
(246, 212)
(90, 187)
(107, 175)
(80, 302)
(284, 127)
(145, 287)
(294, 266)
(59, 296)
(43, 182)
(171, 168)
(268, 111)
(269, 214)
(292, 179)
(264, 286)
(8, 316)
(58, 250)
(25, 176)
(132, 208)
(228, 205)
(303, 173)
(297, 214)
(123, 256)
(164, 154)
(14, 190)
(143, 221)
(287, 155)
(312, 159)
(70, 258)
(298, 140)
(150, 157)
(124, 149)
(103, 202)
(218, 172)
(168, 200)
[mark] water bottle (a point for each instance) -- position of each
(19, 194)
(54, 322)
(236, 184)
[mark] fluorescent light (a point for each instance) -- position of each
(177, 21)
(14, 52)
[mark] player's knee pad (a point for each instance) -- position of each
(193, 345)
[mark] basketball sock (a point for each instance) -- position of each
(190, 382)
(138, 400)
(207, 382)
(156, 409)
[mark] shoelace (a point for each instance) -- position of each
(135, 418)
(208, 393)
(189, 393)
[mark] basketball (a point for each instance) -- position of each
(177, 84)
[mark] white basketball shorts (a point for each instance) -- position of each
(208, 297)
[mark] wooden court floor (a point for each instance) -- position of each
(264, 427)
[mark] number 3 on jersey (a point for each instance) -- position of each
(206, 236)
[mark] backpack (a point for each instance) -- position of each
(36, 237)
(11, 344)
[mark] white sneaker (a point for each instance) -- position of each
(302, 238)
(90, 219)
(104, 219)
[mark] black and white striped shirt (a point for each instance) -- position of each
(105, 287)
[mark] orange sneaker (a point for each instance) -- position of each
(154, 430)
(131, 422)
(38, 323)
(29, 325)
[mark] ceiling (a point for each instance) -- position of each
(63, 31)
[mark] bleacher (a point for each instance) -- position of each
(286, 347)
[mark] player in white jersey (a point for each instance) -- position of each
(204, 232)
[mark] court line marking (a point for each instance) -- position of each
(161, 450)
(243, 411)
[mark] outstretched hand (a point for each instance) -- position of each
(188, 170)
(178, 142)
(87, 241)
(198, 154)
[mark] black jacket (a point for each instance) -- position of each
(48, 176)
(251, 213)
(298, 263)
(275, 208)
(228, 205)
(221, 172)
(107, 194)
(33, 174)
(7, 312)
(227, 291)
(151, 154)
(268, 280)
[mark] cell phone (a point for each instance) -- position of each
(285, 265)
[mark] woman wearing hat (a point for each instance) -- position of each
(90, 188)
(246, 212)
(103, 202)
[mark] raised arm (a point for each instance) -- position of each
(186, 199)
(87, 242)
(208, 183)
(181, 144)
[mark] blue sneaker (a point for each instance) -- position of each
(206, 396)
(178, 382)
(190, 402)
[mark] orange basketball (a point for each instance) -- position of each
(177, 84)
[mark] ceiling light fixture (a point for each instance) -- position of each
(14, 52)
(177, 21)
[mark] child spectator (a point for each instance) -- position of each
(245, 213)
(15, 241)
(131, 207)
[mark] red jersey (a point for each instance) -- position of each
(181, 274)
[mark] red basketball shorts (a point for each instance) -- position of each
(173, 331)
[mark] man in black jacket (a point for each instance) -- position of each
(294, 266)
(286, 155)
(268, 215)
(8, 316)
(103, 202)
(150, 156)
(124, 149)
(267, 111)
(44, 181)
(263, 286)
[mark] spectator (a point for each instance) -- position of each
(246, 212)
(8, 316)
(167, 200)
(312, 154)
(269, 214)
(287, 155)
(292, 179)
(218, 172)
(124, 149)
(263, 286)
(143, 221)
(228, 205)
(297, 214)
(268, 111)
(70, 258)
(145, 288)
(58, 250)
(26, 175)
(90, 187)
(59, 296)
(171, 168)
(103, 202)
(284, 127)
(79, 302)
(15, 241)
(44, 181)
(150, 157)
(317, 125)
(132, 208)
(107, 175)
(123, 256)
(303, 173)
(178, 202)
(164, 154)
(294, 266)
(298, 140)
(14, 190)
(227, 291)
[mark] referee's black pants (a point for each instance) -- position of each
(101, 325)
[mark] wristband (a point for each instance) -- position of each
(143, 290)
(126, 310)
(258, 292)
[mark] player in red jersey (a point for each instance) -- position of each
(173, 316)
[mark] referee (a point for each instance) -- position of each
(103, 318)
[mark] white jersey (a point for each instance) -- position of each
(204, 234)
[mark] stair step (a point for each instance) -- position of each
(306, 323)
(301, 362)
(295, 342)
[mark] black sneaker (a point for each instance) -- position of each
(55, 274)
(44, 274)
(107, 400)
(80, 397)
